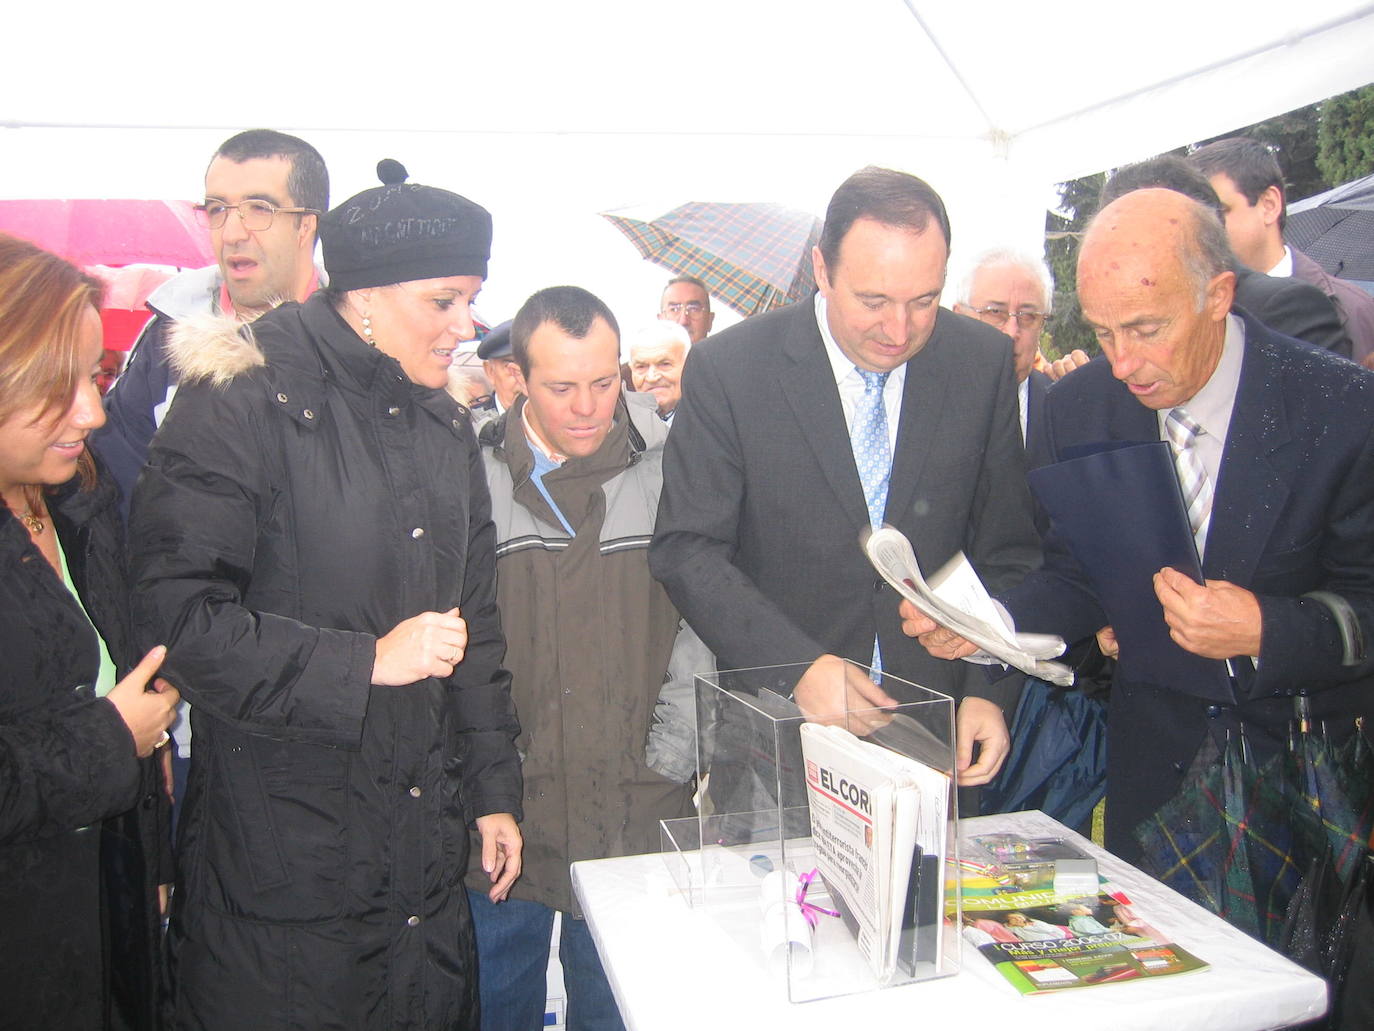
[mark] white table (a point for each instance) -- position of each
(671, 967)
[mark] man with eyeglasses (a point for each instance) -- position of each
(1011, 292)
(264, 193)
(686, 302)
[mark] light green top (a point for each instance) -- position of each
(106, 678)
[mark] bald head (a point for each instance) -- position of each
(1155, 285)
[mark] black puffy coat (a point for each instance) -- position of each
(302, 498)
(83, 822)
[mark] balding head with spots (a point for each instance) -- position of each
(1155, 285)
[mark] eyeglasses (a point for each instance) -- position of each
(256, 215)
(691, 309)
(996, 315)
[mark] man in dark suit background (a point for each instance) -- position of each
(764, 499)
(1282, 303)
(1247, 178)
(1011, 292)
(1287, 538)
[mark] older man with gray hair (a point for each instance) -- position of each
(1012, 291)
(657, 354)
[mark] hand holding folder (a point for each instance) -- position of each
(1120, 512)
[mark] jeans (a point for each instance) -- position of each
(513, 956)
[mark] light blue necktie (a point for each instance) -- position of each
(868, 438)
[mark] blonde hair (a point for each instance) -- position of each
(43, 301)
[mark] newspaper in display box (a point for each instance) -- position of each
(858, 906)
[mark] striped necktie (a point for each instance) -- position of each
(1183, 431)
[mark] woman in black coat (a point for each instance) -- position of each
(312, 539)
(81, 799)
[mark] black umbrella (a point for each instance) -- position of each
(1336, 229)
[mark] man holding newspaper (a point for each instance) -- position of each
(867, 404)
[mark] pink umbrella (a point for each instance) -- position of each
(112, 232)
(126, 291)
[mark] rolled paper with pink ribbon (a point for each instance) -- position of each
(789, 922)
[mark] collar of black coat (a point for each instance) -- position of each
(218, 350)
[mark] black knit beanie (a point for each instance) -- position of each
(400, 232)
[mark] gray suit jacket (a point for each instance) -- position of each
(758, 528)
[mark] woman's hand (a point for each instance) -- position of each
(427, 645)
(146, 713)
(502, 846)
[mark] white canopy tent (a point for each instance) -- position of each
(548, 112)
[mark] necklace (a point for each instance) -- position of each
(29, 519)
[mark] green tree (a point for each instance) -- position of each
(1292, 137)
(1317, 147)
(1078, 204)
(1345, 136)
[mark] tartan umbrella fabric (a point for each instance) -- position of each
(754, 256)
(1249, 840)
(1216, 843)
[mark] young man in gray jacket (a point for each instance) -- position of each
(575, 470)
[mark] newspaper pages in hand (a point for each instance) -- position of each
(957, 600)
(879, 821)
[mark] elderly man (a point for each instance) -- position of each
(1282, 303)
(1273, 439)
(656, 359)
(686, 302)
(1011, 292)
(1249, 183)
(500, 367)
(575, 469)
(800, 428)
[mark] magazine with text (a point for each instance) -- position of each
(1042, 942)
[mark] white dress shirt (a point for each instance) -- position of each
(851, 384)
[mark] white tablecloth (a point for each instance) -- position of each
(671, 967)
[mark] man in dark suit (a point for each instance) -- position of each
(1011, 292)
(765, 493)
(1287, 535)
(1283, 303)
(1247, 178)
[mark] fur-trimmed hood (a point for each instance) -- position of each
(213, 348)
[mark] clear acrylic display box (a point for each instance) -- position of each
(741, 858)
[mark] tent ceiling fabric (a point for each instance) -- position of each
(548, 111)
(1060, 81)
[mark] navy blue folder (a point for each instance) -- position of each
(1120, 511)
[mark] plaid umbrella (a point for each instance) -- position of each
(1256, 843)
(754, 257)
(1220, 842)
